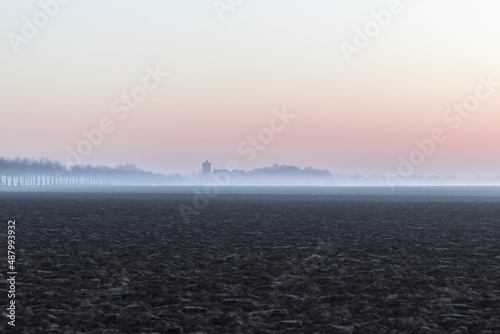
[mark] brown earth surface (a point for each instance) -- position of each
(129, 263)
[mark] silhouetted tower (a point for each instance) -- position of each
(207, 168)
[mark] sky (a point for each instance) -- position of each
(167, 84)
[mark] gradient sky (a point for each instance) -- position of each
(226, 77)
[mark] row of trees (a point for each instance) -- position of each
(46, 172)
(290, 171)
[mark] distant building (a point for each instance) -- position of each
(207, 168)
(220, 171)
(237, 172)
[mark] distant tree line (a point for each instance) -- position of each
(26, 172)
(46, 172)
(290, 171)
(288, 175)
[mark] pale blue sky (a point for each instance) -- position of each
(227, 76)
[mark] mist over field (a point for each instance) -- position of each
(264, 166)
(33, 173)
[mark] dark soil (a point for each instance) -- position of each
(114, 263)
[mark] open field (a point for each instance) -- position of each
(111, 263)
